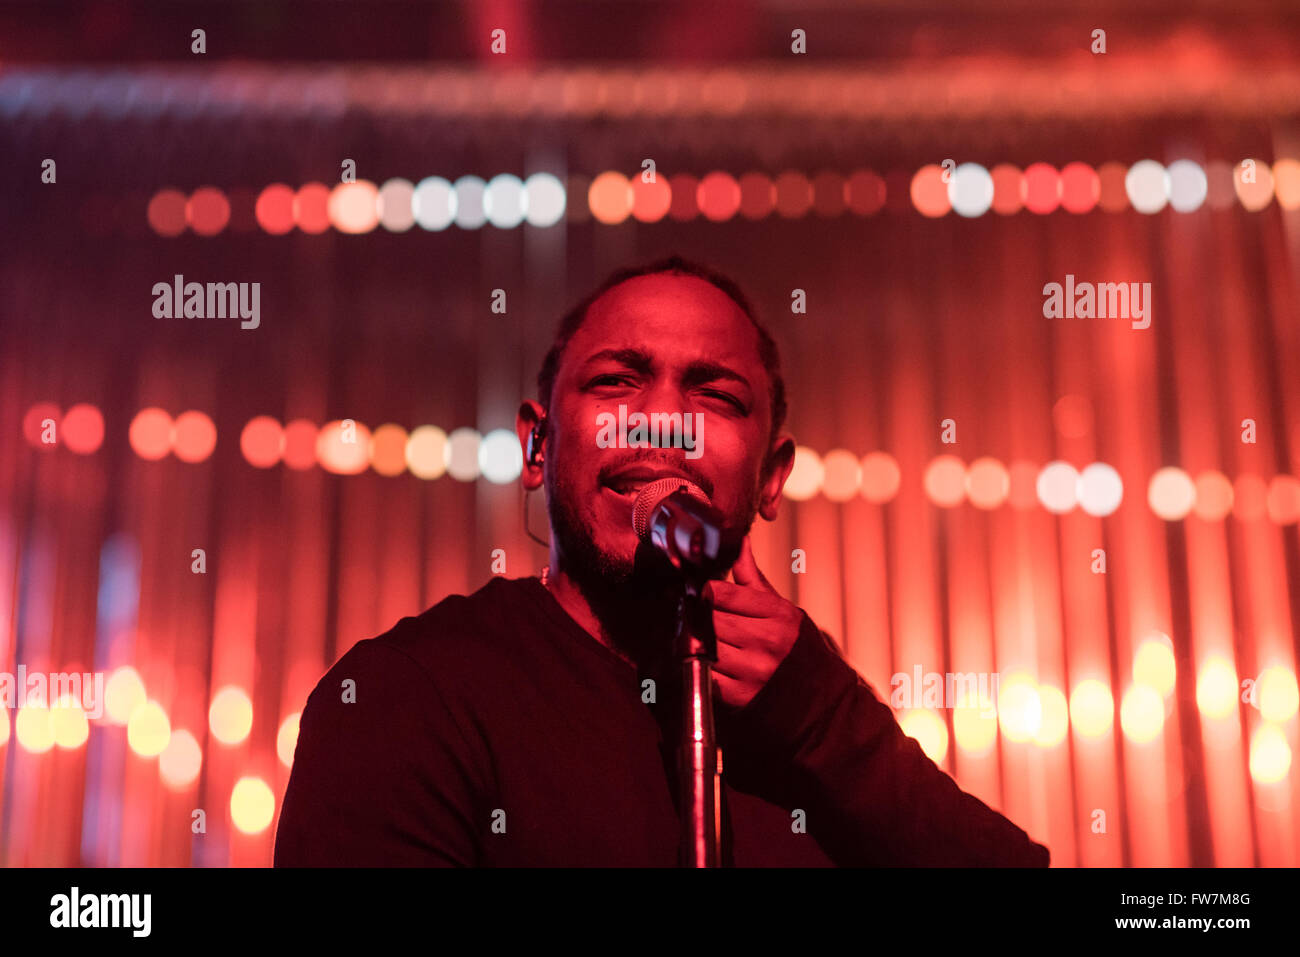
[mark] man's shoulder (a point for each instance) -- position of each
(457, 636)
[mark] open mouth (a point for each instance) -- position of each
(628, 485)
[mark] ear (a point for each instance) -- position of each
(530, 413)
(780, 460)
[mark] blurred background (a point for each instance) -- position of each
(1108, 521)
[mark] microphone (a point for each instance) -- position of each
(677, 518)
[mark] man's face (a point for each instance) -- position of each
(661, 343)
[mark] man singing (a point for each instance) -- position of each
(535, 722)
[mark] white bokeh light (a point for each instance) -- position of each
(1188, 185)
(505, 201)
(469, 202)
(1100, 489)
(396, 206)
(546, 199)
(1058, 487)
(971, 190)
(1147, 185)
(499, 456)
(434, 203)
(462, 454)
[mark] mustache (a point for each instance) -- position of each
(678, 463)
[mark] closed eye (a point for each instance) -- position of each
(731, 399)
(610, 379)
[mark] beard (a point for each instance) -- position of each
(635, 601)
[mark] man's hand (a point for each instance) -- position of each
(756, 629)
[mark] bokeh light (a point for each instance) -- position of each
(1092, 708)
(343, 447)
(1057, 487)
(1217, 688)
(150, 434)
(123, 693)
(230, 716)
(987, 483)
(610, 198)
(82, 430)
(33, 728)
(193, 436)
(970, 191)
(881, 477)
(262, 442)
(500, 459)
(354, 207)
(929, 191)
(433, 204)
(1020, 708)
(1276, 694)
(388, 450)
(462, 454)
(945, 481)
(1100, 489)
(1147, 185)
(975, 722)
(841, 475)
(426, 452)
(1054, 717)
(181, 760)
(546, 200)
(1154, 665)
(252, 805)
(928, 729)
(1270, 755)
(149, 731)
(1142, 714)
(286, 739)
(1171, 494)
(805, 478)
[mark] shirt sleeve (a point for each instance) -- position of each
(391, 779)
(816, 737)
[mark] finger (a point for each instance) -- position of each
(746, 569)
(742, 599)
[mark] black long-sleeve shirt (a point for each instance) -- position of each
(492, 730)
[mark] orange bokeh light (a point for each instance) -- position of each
(193, 436)
(150, 434)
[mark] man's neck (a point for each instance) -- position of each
(633, 622)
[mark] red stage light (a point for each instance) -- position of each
(166, 212)
(83, 429)
(1080, 188)
(929, 192)
(193, 437)
(794, 194)
(718, 197)
(262, 442)
(1008, 189)
(311, 208)
(300, 444)
(208, 211)
(865, 192)
(610, 198)
(1041, 188)
(650, 201)
(33, 428)
(274, 209)
(150, 434)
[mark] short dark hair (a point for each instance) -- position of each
(573, 320)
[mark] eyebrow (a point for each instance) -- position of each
(696, 372)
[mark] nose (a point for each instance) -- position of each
(665, 409)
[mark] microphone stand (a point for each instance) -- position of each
(699, 760)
